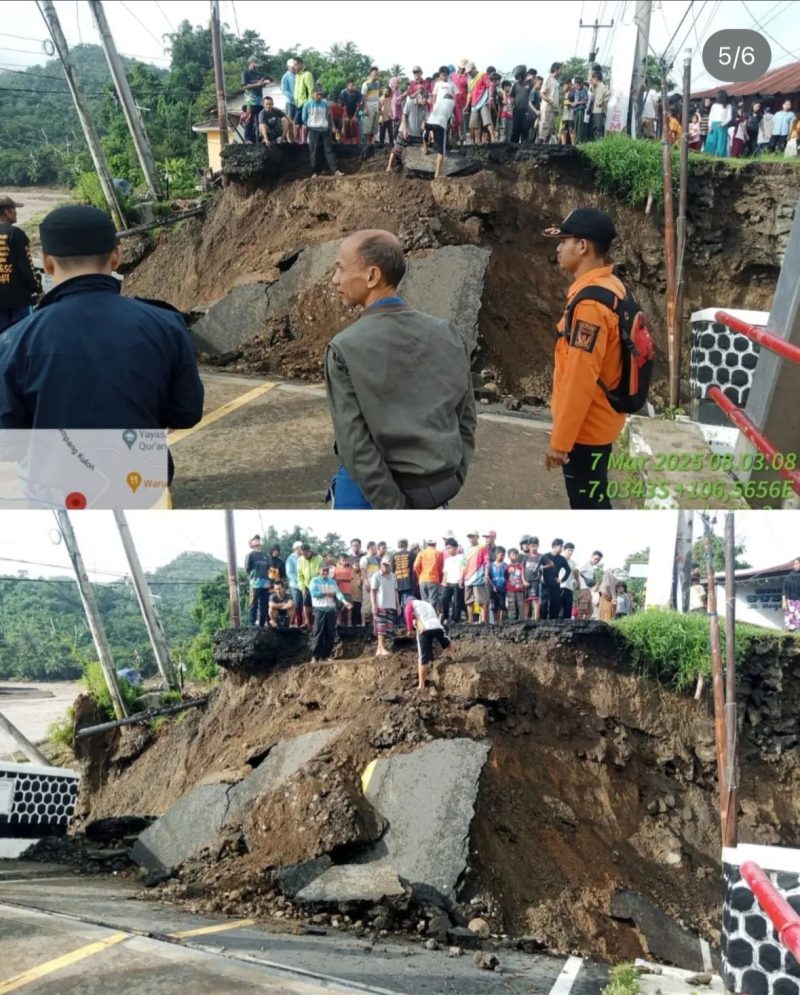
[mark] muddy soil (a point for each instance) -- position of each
(596, 780)
(737, 222)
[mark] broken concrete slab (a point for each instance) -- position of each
(233, 319)
(255, 652)
(283, 760)
(293, 879)
(448, 283)
(416, 163)
(665, 939)
(354, 883)
(192, 823)
(196, 819)
(428, 798)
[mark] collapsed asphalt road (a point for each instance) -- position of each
(74, 934)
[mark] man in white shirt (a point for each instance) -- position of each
(385, 603)
(421, 616)
(452, 601)
(650, 113)
(587, 571)
(437, 126)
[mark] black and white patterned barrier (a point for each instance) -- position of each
(721, 358)
(753, 960)
(36, 801)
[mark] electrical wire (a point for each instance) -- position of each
(78, 20)
(772, 38)
(680, 25)
(169, 22)
(578, 34)
(235, 18)
(158, 41)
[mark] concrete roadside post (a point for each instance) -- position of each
(25, 745)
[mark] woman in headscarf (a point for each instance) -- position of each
(608, 596)
(397, 102)
(791, 598)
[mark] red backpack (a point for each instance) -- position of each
(630, 395)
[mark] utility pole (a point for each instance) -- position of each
(92, 611)
(155, 630)
(25, 745)
(639, 83)
(683, 196)
(233, 582)
(48, 11)
(595, 29)
(673, 344)
(129, 109)
(219, 73)
(729, 819)
(718, 679)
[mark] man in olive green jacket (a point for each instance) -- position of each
(399, 388)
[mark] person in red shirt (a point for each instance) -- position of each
(343, 575)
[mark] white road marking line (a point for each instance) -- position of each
(566, 979)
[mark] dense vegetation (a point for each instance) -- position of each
(43, 631)
(50, 147)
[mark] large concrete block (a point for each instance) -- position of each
(237, 317)
(354, 883)
(428, 798)
(416, 163)
(197, 818)
(665, 939)
(193, 822)
(448, 283)
(283, 760)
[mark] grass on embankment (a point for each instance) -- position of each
(675, 649)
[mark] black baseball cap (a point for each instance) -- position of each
(585, 222)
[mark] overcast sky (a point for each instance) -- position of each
(424, 31)
(771, 537)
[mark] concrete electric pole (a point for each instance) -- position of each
(92, 611)
(155, 630)
(596, 28)
(129, 109)
(24, 744)
(233, 574)
(219, 73)
(48, 11)
(639, 84)
(683, 198)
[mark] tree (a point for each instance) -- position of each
(652, 70)
(718, 557)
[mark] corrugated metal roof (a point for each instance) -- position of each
(786, 79)
(752, 572)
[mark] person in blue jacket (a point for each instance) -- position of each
(88, 357)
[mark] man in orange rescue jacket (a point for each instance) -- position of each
(584, 423)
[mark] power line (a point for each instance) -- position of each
(158, 41)
(25, 72)
(169, 22)
(235, 18)
(771, 37)
(680, 25)
(5, 34)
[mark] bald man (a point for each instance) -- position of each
(399, 388)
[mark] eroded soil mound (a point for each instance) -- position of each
(738, 221)
(596, 780)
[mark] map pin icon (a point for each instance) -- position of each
(134, 479)
(129, 436)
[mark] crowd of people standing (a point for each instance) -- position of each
(459, 104)
(479, 582)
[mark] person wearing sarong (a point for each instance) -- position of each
(385, 604)
(791, 598)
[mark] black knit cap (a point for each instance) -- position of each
(77, 230)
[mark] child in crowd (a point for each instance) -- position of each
(515, 588)
(356, 587)
(498, 575)
(386, 117)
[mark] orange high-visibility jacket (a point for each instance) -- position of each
(592, 351)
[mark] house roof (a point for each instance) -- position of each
(786, 79)
(753, 574)
(212, 123)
